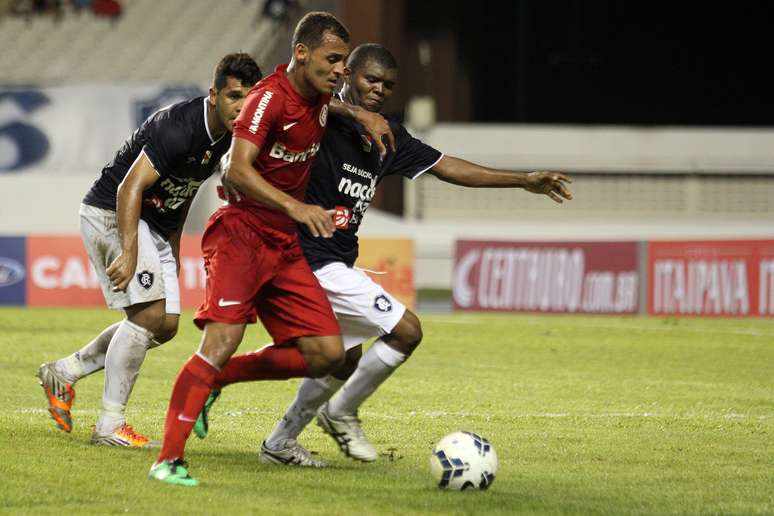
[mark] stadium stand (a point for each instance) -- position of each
(80, 47)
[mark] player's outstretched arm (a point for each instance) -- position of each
(374, 123)
(241, 175)
(464, 173)
(128, 207)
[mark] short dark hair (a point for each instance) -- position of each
(314, 25)
(371, 52)
(239, 66)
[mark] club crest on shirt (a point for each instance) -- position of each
(341, 217)
(382, 304)
(206, 158)
(146, 279)
(324, 115)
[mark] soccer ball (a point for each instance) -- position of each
(463, 460)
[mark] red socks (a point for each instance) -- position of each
(197, 378)
(268, 363)
(193, 385)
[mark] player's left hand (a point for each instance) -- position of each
(379, 129)
(229, 191)
(551, 184)
(121, 271)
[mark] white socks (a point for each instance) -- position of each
(376, 365)
(311, 395)
(90, 358)
(123, 360)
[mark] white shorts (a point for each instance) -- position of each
(156, 274)
(364, 309)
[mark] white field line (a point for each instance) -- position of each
(606, 327)
(432, 414)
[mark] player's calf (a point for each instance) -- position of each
(323, 355)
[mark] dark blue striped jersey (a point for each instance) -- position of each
(345, 175)
(178, 142)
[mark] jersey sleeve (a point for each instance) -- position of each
(167, 143)
(412, 157)
(261, 112)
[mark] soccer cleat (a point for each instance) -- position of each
(172, 472)
(348, 434)
(293, 454)
(60, 396)
(202, 425)
(124, 436)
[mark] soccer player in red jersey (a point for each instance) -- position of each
(255, 266)
(346, 175)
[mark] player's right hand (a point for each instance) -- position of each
(379, 129)
(318, 220)
(121, 271)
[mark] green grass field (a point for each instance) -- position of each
(589, 415)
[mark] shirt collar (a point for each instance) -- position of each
(207, 125)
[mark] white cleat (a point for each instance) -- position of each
(348, 434)
(293, 454)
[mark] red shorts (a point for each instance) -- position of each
(254, 270)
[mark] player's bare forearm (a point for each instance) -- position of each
(464, 173)
(376, 125)
(121, 269)
(340, 108)
(128, 208)
(242, 176)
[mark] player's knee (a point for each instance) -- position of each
(220, 341)
(165, 334)
(151, 316)
(414, 337)
(167, 330)
(407, 334)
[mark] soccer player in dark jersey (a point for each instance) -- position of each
(255, 266)
(131, 221)
(344, 178)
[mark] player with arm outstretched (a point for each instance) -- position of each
(345, 177)
(130, 222)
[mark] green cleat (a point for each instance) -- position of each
(172, 472)
(202, 425)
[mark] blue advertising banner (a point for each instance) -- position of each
(13, 260)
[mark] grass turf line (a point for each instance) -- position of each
(589, 415)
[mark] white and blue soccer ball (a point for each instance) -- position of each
(463, 460)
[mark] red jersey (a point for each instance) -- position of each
(287, 128)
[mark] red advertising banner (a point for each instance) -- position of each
(556, 277)
(60, 273)
(711, 278)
